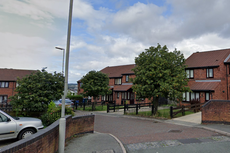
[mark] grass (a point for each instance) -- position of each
(163, 113)
(97, 108)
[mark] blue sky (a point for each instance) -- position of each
(106, 32)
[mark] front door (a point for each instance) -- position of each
(132, 98)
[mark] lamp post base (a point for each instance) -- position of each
(62, 128)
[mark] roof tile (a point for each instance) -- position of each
(13, 74)
(122, 87)
(203, 86)
(208, 58)
(117, 71)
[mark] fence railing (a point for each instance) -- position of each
(6, 107)
(182, 109)
(126, 107)
(93, 104)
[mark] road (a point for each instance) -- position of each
(138, 135)
(7, 142)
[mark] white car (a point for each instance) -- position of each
(18, 127)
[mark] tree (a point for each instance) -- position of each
(35, 91)
(95, 83)
(160, 73)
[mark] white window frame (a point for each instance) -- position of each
(3, 98)
(117, 81)
(127, 78)
(207, 96)
(190, 73)
(189, 96)
(209, 73)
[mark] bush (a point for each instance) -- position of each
(51, 106)
(75, 97)
(53, 114)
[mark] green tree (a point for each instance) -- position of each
(95, 83)
(160, 73)
(35, 91)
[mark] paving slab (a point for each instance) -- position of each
(93, 143)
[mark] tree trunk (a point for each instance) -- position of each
(94, 104)
(155, 103)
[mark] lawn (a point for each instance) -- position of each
(163, 113)
(89, 108)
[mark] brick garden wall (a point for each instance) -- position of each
(46, 141)
(216, 111)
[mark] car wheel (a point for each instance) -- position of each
(26, 133)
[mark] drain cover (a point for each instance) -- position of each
(175, 131)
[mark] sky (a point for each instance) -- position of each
(106, 32)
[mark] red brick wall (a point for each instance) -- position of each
(221, 91)
(8, 91)
(111, 82)
(216, 111)
(47, 139)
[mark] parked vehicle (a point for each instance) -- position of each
(68, 103)
(18, 127)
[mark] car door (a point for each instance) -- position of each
(7, 128)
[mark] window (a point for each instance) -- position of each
(103, 98)
(3, 118)
(118, 81)
(127, 78)
(117, 95)
(207, 96)
(228, 69)
(188, 96)
(125, 95)
(190, 74)
(209, 73)
(3, 99)
(4, 84)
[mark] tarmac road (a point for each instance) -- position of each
(7, 142)
(145, 136)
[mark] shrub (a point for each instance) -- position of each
(75, 97)
(54, 114)
(51, 106)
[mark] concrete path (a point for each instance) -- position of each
(94, 143)
(193, 118)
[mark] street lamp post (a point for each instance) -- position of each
(62, 121)
(63, 57)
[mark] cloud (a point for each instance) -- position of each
(26, 9)
(197, 18)
(24, 52)
(141, 22)
(205, 42)
(106, 33)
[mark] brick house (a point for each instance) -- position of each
(209, 75)
(120, 84)
(8, 82)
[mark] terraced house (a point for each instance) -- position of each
(209, 75)
(120, 84)
(8, 82)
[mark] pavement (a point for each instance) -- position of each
(107, 143)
